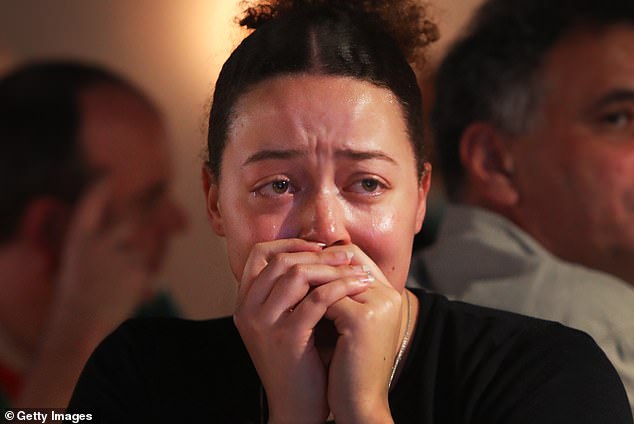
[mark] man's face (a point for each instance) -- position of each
(575, 166)
(126, 141)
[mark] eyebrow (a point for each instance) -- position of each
(613, 96)
(358, 155)
(364, 155)
(272, 154)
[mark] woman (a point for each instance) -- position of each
(317, 180)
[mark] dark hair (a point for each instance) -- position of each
(343, 38)
(39, 122)
(492, 74)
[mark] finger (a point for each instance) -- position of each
(315, 305)
(359, 257)
(294, 285)
(91, 210)
(279, 264)
(262, 253)
(380, 300)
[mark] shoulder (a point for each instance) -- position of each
(165, 365)
(492, 329)
(184, 343)
(473, 325)
(499, 364)
(163, 330)
(174, 338)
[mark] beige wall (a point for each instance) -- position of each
(173, 49)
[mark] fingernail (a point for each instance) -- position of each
(367, 279)
(343, 257)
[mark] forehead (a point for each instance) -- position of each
(305, 108)
(589, 61)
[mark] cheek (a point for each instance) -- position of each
(385, 234)
(624, 178)
(244, 228)
(615, 187)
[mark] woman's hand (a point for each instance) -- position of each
(286, 288)
(369, 327)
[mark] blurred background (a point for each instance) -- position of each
(174, 51)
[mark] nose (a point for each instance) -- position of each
(323, 220)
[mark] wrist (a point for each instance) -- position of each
(380, 414)
(296, 416)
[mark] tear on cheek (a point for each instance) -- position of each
(383, 225)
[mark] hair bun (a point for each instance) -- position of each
(406, 21)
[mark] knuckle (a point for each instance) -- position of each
(258, 251)
(319, 295)
(281, 261)
(369, 315)
(296, 271)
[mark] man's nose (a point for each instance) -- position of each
(323, 219)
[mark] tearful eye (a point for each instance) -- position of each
(275, 188)
(369, 184)
(280, 186)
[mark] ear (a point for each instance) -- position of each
(423, 192)
(489, 167)
(44, 225)
(211, 191)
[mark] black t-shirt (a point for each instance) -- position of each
(467, 364)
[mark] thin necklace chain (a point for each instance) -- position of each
(404, 343)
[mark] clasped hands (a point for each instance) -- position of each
(287, 288)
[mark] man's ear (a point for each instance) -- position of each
(44, 225)
(423, 192)
(211, 191)
(489, 167)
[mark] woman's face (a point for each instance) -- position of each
(322, 158)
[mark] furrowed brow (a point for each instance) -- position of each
(271, 155)
(360, 155)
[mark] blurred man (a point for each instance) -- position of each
(534, 120)
(85, 217)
